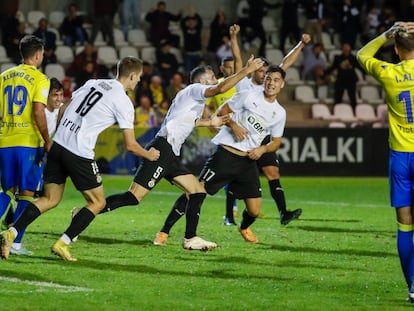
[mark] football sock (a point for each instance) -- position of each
(79, 223)
(278, 195)
(30, 213)
(230, 201)
(192, 213)
(9, 216)
(118, 200)
(5, 198)
(406, 251)
(247, 220)
(23, 202)
(177, 211)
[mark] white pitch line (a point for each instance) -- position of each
(44, 285)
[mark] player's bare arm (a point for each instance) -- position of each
(235, 49)
(132, 146)
(213, 121)
(252, 65)
(293, 54)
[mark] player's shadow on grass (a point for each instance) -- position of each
(97, 240)
(342, 230)
(314, 219)
(350, 252)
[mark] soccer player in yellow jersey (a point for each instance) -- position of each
(23, 133)
(398, 83)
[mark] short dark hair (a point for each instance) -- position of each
(127, 65)
(265, 61)
(29, 45)
(226, 59)
(276, 68)
(55, 84)
(197, 72)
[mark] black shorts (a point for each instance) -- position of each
(240, 173)
(62, 163)
(269, 158)
(167, 166)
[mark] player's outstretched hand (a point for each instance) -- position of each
(234, 30)
(306, 38)
(153, 154)
(254, 63)
(219, 121)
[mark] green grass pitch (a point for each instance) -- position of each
(340, 255)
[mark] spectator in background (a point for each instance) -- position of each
(314, 59)
(144, 114)
(71, 30)
(88, 55)
(371, 24)
(87, 73)
(290, 23)
(130, 16)
(167, 63)
(218, 29)
(103, 20)
(314, 11)
(67, 89)
(157, 90)
(349, 26)
(345, 65)
(257, 10)
(224, 50)
(49, 38)
(191, 26)
(176, 85)
(12, 41)
(159, 20)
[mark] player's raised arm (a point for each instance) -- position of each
(293, 54)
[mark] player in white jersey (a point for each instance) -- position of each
(238, 141)
(268, 163)
(94, 107)
(184, 114)
(234, 161)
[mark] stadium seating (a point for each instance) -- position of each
(322, 111)
(6, 66)
(56, 18)
(305, 94)
(64, 54)
(55, 70)
(148, 54)
(370, 94)
(107, 55)
(128, 51)
(33, 18)
(344, 112)
(365, 113)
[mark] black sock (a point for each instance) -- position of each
(177, 211)
(278, 195)
(192, 213)
(230, 199)
(9, 216)
(247, 220)
(79, 222)
(118, 200)
(30, 213)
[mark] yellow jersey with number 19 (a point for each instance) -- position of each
(20, 87)
(398, 83)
